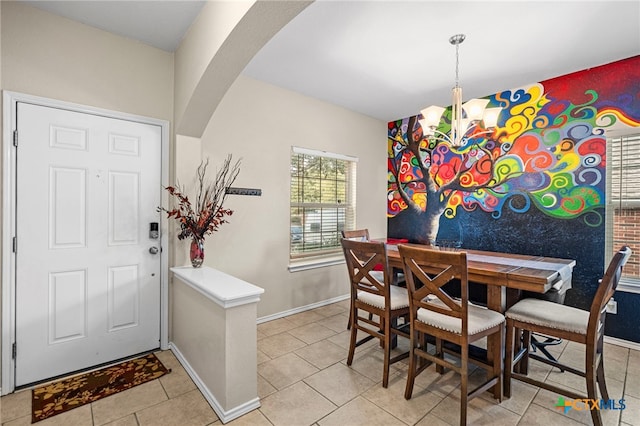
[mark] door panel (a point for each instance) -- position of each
(87, 288)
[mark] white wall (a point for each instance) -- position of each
(260, 123)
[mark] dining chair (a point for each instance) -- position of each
(360, 235)
(433, 312)
(565, 322)
(356, 234)
(385, 303)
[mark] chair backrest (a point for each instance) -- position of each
(426, 272)
(359, 234)
(605, 291)
(361, 257)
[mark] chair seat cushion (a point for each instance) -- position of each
(399, 298)
(480, 319)
(550, 314)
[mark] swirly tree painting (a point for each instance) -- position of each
(547, 153)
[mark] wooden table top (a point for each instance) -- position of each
(522, 272)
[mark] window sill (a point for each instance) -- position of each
(629, 286)
(315, 262)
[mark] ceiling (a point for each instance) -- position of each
(389, 59)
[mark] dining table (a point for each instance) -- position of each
(506, 275)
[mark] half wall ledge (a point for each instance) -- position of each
(214, 336)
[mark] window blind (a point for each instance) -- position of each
(322, 201)
(623, 206)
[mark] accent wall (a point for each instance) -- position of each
(533, 185)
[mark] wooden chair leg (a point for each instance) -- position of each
(510, 343)
(387, 351)
(523, 365)
(440, 353)
(411, 374)
(592, 393)
(498, 369)
(602, 384)
(464, 384)
(354, 335)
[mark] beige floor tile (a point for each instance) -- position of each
(573, 381)
(168, 359)
(80, 416)
(129, 420)
(15, 405)
(124, 403)
(262, 357)
(337, 323)
(631, 414)
(279, 344)
(369, 361)
(331, 310)
(190, 409)
(254, 418)
(264, 387)
(322, 354)
(616, 352)
(286, 370)
(522, 395)
(339, 383)
(311, 333)
(540, 416)
(632, 386)
(429, 380)
(431, 420)
(344, 338)
(177, 382)
(357, 412)
(392, 400)
(296, 405)
(549, 400)
(304, 318)
(274, 327)
(479, 412)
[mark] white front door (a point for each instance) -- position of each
(87, 285)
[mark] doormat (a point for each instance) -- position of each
(63, 395)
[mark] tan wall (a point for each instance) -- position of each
(260, 123)
(205, 36)
(45, 55)
(54, 57)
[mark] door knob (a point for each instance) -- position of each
(154, 250)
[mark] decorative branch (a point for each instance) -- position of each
(209, 211)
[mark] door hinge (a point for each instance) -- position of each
(15, 138)
(14, 351)
(15, 244)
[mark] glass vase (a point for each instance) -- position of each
(196, 252)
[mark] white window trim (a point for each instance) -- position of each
(321, 260)
(626, 285)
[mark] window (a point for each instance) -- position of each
(623, 205)
(322, 201)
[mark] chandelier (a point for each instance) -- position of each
(464, 117)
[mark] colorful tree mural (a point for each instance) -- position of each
(547, 152)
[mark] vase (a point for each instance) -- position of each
(196, 252)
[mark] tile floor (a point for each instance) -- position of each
(304, 380)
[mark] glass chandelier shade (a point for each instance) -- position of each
(464, 117)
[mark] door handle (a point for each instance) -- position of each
(154, 250)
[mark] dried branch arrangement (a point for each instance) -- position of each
(208, 213)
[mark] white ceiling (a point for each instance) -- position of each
(389, 59)
(161, 24)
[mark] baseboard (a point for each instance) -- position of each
(302, 309)
(224, 415)
(623, 343)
